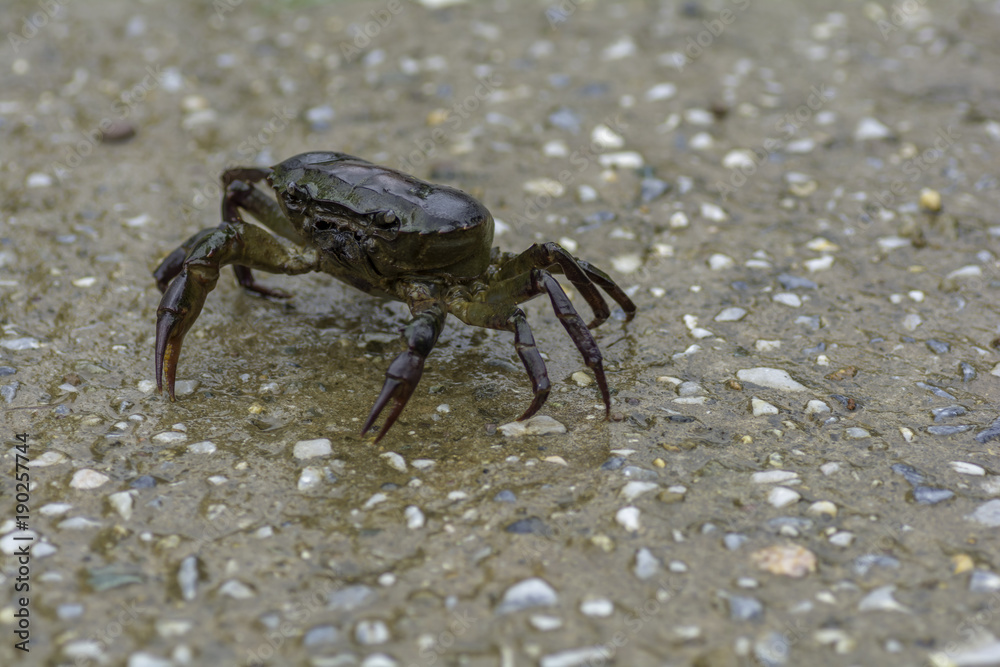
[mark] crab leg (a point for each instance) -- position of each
(209, 251)
(404, 372)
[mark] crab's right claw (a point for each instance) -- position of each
(179, 308)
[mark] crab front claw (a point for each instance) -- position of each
(179, 308)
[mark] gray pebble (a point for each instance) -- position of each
(984, 581)
(652, 188)
(929, 495)
(505, 496)
(350, 598)
(987, 514)
(566, 119)
(321, 634)
(529, 526)
(938, 346)
(993, 431)
(734, 541)
(909, 473)
(187, 577)
(790, 282)
(968, 372)
(371, 631)
(948, 430)
(529, 593)
(863, 564)
(772, 649)
(143, 482)
(778, 523)
(9, 391)
(7, 370)
(646, 564)
(71, 610)
(614, 463)
(745, 608)
(948, 412)
(937, 391)
(635, 472)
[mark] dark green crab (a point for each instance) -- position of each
(391, 235)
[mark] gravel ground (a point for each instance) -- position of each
(801, 467)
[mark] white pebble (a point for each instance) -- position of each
(544, 186)
(702, 141)
(544, 623)
(49, 458)
(767, 345)
(38, 180)
(881, 599)
(787, 299)
(236, 590)
(55, 509)
(586, 194)
(773, 476)
(375, 500)
(87, 281)
(23, 343)
(871, 128)
(761, 408)
(169, 437)
(912, 321)
(713, 212)
(582, 379)
(146, 386)
(661, 91)
(414, 517)
(622, 160)
(678, 220)
(85, 478)
(122, 502)
(967, 468)
(634, 489)
(733, 314)
(818, 263)
(720, 262)
(601, 608)
(623, 48)
(843, 538)
(772, 378)
(830, 468)
(606, 138)
(738, 158)
(534, 592)
(887, 243)
(822, 508)
(423, 464)
(9, 543)
(203, 447)
(395, 461)
(371, 631)
(309, 478)
(857, 433)
(781, 496)
(628, 517)
(555, 148)
(538, 425)
(626, 263)
(817, 407)
(307, 449)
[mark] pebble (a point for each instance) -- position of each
(734, 541)
(414, 517)
(733, 314)
(720, 262)
(505, 496)
(984, 581)
(236, 589)
(538, 425)
(761, 407)
(622, 160)
(185, 387)
(321, 634)
(371, 631)
(652, 188)
(767, 345)
(600, 607)
(545, 623)
(395, 461)
(203, 447)
(772, 649)
(10, 543)
(423, 464)
(142, 659)
(628, 518)
(938, 346)
(606, 138)
(534, 592)
(964, 468)
(982, 655)
(930, 200)
(582, 379)
(49, 458)
(968, 372)
(791, 561)
(772, 378)
(375, 500)
(544, 186)
(633, 490)
(909, 473)
(948, 430)
(991, 432)
(842, 538)
(816, 264)
(376, 659)
(566, 119)
(912, 321)
(745, 608)
(738, 158)
(790, 282)
(24, 343)
(169, 437)
(122, 502)
(646, 564)
(987, 514)
(817, 407)
(881, 599)
(576, 657)
(822, 508)
(857, 433)
(307, 449)
(350, 598)
(927, 495)
(85, 478)
(787, 299)
(38, 180)
(948, 412)
(774, 476)
(187, 577)
(781, 496)
(661, 91)
(309, 478)
(871, 129)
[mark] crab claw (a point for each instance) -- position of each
(400, 381)
(179, 308)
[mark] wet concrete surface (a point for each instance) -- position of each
(804, 188)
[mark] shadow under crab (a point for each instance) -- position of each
(388, 234)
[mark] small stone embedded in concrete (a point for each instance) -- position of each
(857, 433)
(169, 437)
(395, 461)
(634, 489)
(646, 564)
(928, 495)
(309, 478)
(761, 407)
(773, 476)
(187, 577)
(122, 502)
(787, 299)
(582, 379)
(788, 560)
(772, 378)
(534, 592)
(599, 607)
(203, 447)
(628, 518)
(414, 517)
(984, 581)
(965, 468)
(733, 314)
(881, 599)
(236, 589)
(987, 514)
(538, 425)
(781, 496)
(745, 608)
(307, 449)
(371, 631)
(85, 478)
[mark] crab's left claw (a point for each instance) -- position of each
(179, 308)
(405, 370)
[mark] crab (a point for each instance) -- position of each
(391, 235)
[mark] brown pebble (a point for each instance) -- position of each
(118, 131)
(734, 385)
(617, 416)
(792, 561)
(851, 405)
(843, 373)
(491, 429)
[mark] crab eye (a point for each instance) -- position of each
(385, 218)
